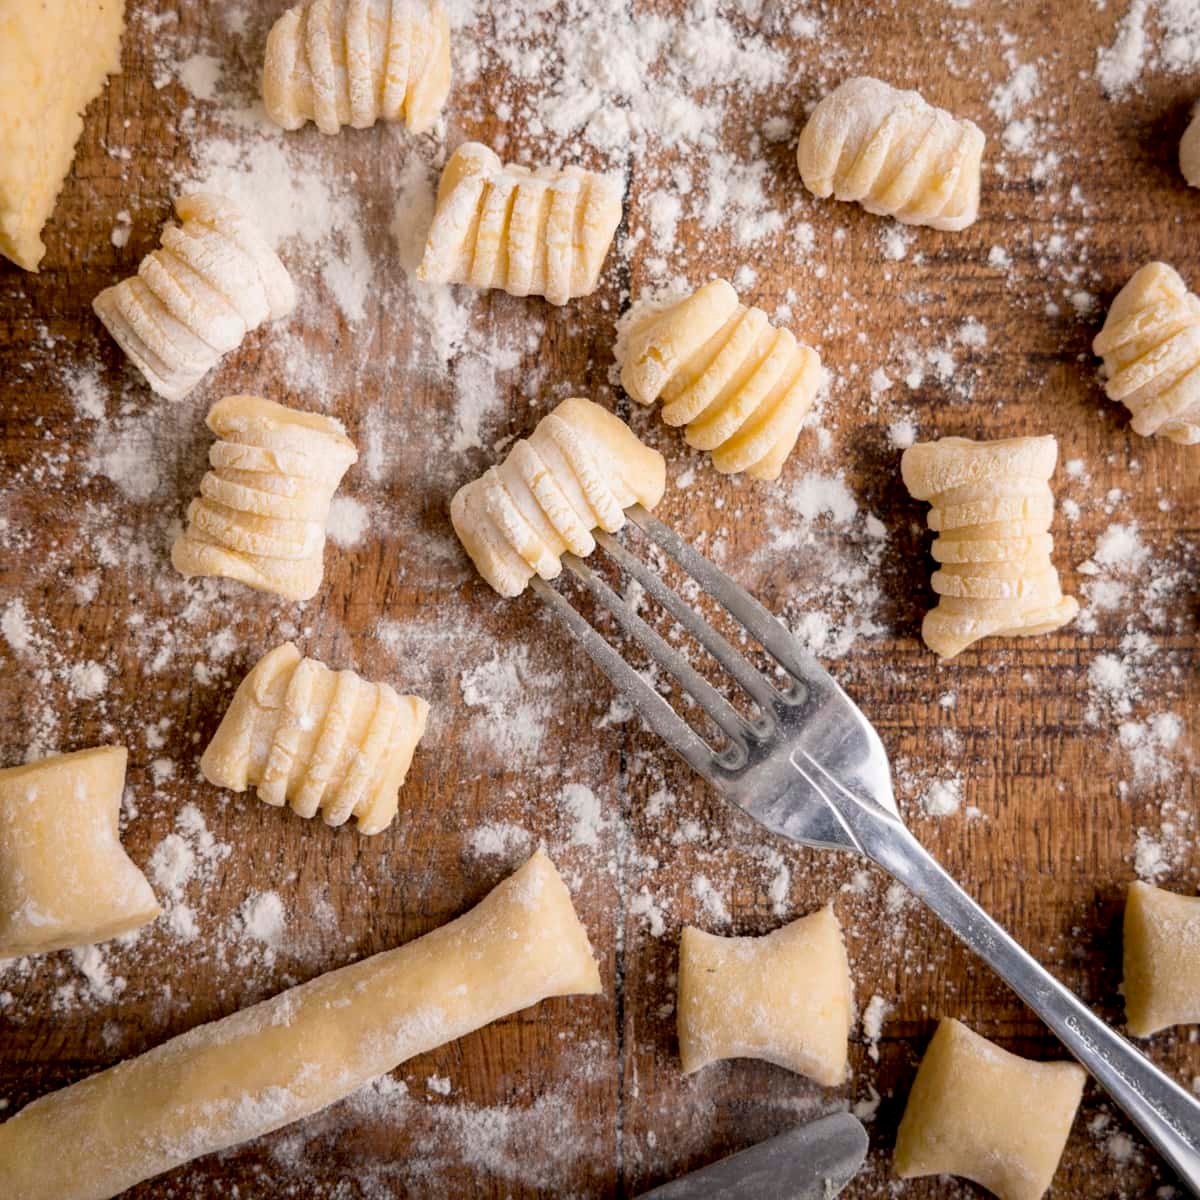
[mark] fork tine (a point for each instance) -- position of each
(652, 707)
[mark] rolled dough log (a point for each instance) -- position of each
(64, 878)
(1162, 959)
(978, 1111)
(266, 1066)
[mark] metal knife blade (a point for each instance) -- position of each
(812, 1162)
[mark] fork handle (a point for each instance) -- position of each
(1166, 1113)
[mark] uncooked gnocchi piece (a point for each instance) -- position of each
(1189, 150)
(1150, 344)
(64, 878)
(260, 516)
(317, 740)
(580, 468)
(195, 298)
(978, 1111)
(991, 506)
(894, 153)
(354, 62)
(1162, 959)
(223, 1083)
(533, 233)
(785, 998)
(741, 386)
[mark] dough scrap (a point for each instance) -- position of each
(785, 998)
(1189, 150)
(261, 513)
(543, 232)
(264, 1067)
(1162, 959)
(64, 878)
(55, 56)
(1150, 344)
(354, 62)
(741, 387)
(894, 153)
(978, 1111)
(195, 298)
(580, 468)
(318, 740)
(991, 506)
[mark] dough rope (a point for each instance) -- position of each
(195, 298)
(984, 1114)
(354, 62)
(1162, 959)
(65, 879)
(533, 233)
(785, 998)
(317, 740)
(894, 153)
(1189, 150)
(741, 386)
(580, 468)
(255, 1071)
(260, 516)
(991, 506)
(1150, 344)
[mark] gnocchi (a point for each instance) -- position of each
(1162, 959)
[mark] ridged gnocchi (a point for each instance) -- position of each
(579, 469)
(543, 232)
(893, 153)
(741, 386)
(1162, 959)
(318, 740)
(193, 300)
(260, 516)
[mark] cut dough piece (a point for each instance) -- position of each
(895, 154)
(354, 62)
(54, 58)
(992, 507)
(533, 233)
(261, 513)
(213, 280)
(1150, 344)
(581, 468)
(741, 387)
(64, 878)
(1162, 959)
(1189, 150)
(318, 740)
(262, 1068)
(785, 998)
(978, 1111)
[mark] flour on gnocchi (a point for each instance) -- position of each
(354, 62)
(318, 740)
(195, 298)
(261, 513)
(1162, 959)
(1150, 344)
(894, 153)
(543, 232)
(741, 386)
(991, 506)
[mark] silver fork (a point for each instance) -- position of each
(811, 768)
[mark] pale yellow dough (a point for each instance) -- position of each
(978, 1111)
(1162, 959)
(533, 233)
(580, 468)
(319, 740)
(785, 998)
(741, 386)
(354, 62)
(264, 1067)
(261, 513)
(1150, 344)
(894, 153)
(54, 58)
(991, 506)
(64, 878)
